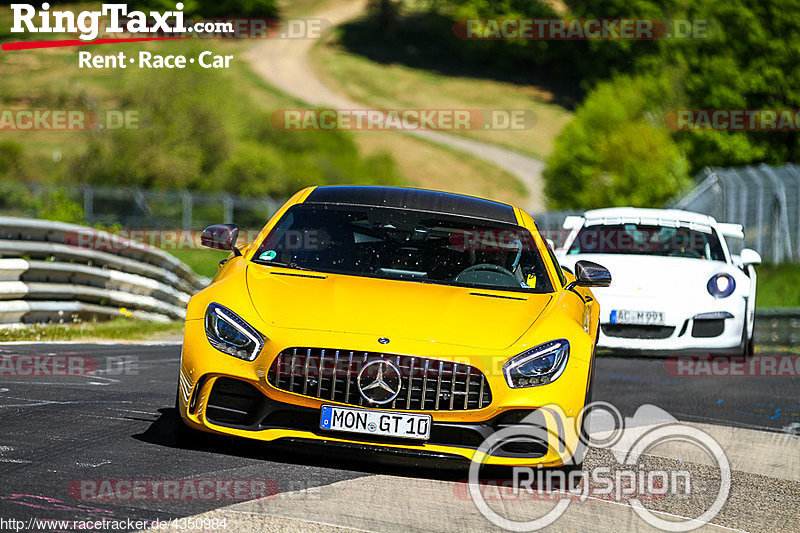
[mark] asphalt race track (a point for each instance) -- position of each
(116, 425)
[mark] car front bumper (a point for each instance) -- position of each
(266, 413)
(703, 327)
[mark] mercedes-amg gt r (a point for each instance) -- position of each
(404, 320)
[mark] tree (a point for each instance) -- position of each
(617, 151)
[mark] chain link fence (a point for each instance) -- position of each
(130, 207)
(765, 200)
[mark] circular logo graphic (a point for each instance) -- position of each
(379, 381)
(383, 340)
(626, 447)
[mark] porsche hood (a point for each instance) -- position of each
(484, 319)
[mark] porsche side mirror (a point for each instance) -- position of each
(589, 274)
(221, 237)
(749, 256)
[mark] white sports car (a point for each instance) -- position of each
(676, 287)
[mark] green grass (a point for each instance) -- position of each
(387, 83)
(203, 262)
(778, 286)
(117, 329)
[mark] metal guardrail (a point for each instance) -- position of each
(46, 276)
(778, 327)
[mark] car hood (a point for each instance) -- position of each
(395, 309)
(653, 276)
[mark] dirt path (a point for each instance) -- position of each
(285, 64)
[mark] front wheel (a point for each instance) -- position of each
(183, 436)
(748, 345)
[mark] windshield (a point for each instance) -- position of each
(640, 239)
(406, 245)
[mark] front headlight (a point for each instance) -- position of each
(538, 366)
(228, 333)
(721, 285)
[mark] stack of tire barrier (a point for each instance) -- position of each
(49, 272)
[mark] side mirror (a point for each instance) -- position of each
(749, 256)
(589, 274)
(221, 237)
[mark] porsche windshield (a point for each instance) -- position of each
(406, 245)
(643, 239)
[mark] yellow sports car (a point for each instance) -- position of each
(403, 320)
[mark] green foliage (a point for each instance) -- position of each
(210, 139)
(746, 55)
(181, 135)
(614, 153)
(117, 329)
(386, 12)
(778, 285)
(13, 163)
(211, 8)
(58, 205)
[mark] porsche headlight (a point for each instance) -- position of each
(228, 333)
(537, 366)
(721, 285)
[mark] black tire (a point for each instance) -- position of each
(183, 436)
(748, 346)
(576, 464)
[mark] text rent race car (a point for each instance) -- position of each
(677, 287)
(391, 318)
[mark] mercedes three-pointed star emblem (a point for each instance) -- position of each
(379, 381)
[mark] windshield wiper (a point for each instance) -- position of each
(293, 266)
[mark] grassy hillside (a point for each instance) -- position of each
(370, 67)
(205, 129)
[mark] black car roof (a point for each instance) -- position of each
(416, 199)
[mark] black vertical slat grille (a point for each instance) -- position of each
(426, 384)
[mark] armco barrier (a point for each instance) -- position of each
(779, 327)
(45, 277)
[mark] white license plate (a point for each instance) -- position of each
(384, 423)
(621, 316)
